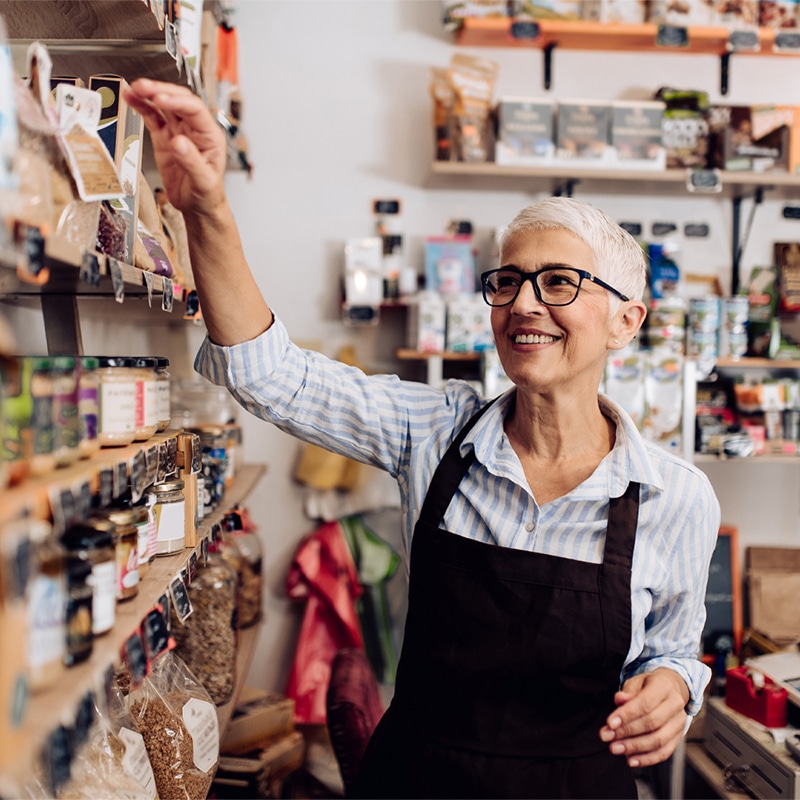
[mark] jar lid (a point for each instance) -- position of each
(63, 362)
(37, 362)
(78, 569)
(162, 362)
(89, 362)
(95, 533)
(126, 517)
(148, 362)
(167, 486)
(115, 361)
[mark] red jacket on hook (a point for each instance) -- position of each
(323, 575)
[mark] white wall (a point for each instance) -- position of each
(337, 111)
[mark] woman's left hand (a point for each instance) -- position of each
(650, 717)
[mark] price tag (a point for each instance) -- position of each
(149, 281)
(787, 41)
(192, 306)
(84, 716)
(167, 295)
(106, 486)
(151, 464)
(524, 29)
(672, 36)
(134, 656)
(90, 269)
(703, 180)
(696, 230)
(138, 475)
(163, 458)
(155, 634)
(83, 500)
(180, 599)
(56, 760)
(663, 228)
(117, 281)
(62, 508)
(30, 241)
(164, 604)
(171, 39)
(744, 41)
(633, 228)
(120, 478)
(191, 566)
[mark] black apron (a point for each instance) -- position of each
(509, 665)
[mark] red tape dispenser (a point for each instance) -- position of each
(756, 696)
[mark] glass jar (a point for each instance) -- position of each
(146, 398)
(126, 548)
(169, 508)
(250, 550)
(163, 388)
(66, 420)
(47, 600)
(78, 615)
(93, 541)
(141, 521)
(15, 550)
(207, 639)
(88, 406)
(117, 421)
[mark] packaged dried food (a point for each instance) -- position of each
(207, 639)
(179, 723)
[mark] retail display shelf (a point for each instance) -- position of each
(710, 458)
(604, 36)
(609, 180)
(711, 772)
(59, 703)
(406, 354)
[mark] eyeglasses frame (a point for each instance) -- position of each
(533, 278)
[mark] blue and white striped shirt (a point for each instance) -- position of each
(405, 427)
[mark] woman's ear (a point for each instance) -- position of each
(627, 321)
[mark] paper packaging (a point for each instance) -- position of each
(583, 131)
(121, 129)
(773, 586)
(469, 328)
(751, 138)
(636, 134)
(259, 718)
(426, 322)
(524, 131)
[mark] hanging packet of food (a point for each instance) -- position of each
(90, 163)
(176, 716)
(442, 96)
(472, 79)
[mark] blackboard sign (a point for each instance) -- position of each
(724, 592)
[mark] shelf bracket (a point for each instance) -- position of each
(724, 73)
(566, 189)
(740, 241)
(547, 56)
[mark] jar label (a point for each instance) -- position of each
(118, 407)
(46, 604)
(104, 588)
(200, 719)
(136, 762)
(127, 565)
(170, 521)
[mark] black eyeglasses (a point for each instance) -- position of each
(554, 286)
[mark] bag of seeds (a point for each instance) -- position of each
(176, 717)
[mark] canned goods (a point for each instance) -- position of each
(702, 344)
(704, 314)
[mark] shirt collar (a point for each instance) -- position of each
(630, 460)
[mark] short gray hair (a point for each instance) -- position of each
(618, 258)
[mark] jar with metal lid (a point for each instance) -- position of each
(88, 406)
(169, 509)
(78, 615)
(141, 520)
(146, 398)
(126, 547)
(47, 600)
(207, 639)
(117, 419)
(66, 420)
(163, 389)
(93, 541)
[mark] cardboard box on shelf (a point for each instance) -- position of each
(259, 718)
(524, 131)
(751, 138)
(773, 586)
(583, 131)
(636, 134)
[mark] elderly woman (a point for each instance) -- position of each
(557, 561)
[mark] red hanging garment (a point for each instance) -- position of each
(323, 575)
(227, 55)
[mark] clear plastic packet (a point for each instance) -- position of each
(178, 721)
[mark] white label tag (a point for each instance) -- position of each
(200, 719)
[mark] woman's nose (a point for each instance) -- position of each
(527, 300)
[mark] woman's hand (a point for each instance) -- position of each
(188, 143)
(650, 719)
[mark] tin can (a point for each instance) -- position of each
(702, 344)
(704, 314)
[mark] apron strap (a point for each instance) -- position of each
(449, 473)
(623, 518)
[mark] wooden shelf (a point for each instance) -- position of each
(406, 354)
(488, 175)
(599, 36)
(58, 704)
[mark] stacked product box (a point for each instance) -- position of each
(469, 327)
(636, 134)
(525, 131)
(583, 132)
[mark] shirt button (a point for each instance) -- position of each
(530, 526)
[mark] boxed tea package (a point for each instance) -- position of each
(685, 127)
(583, 131)
(750, 138)
(524, 131)
(636, 134)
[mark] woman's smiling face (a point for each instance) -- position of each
(543, 347)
